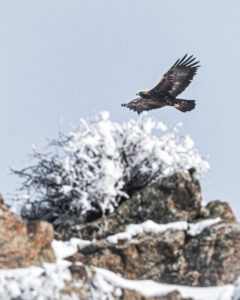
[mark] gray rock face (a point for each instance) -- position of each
(173, 256)
(214, 256)
(210, 258)
(132, 295)
(173, 198)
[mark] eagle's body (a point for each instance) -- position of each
(165, 93)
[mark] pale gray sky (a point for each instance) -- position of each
(74, 58)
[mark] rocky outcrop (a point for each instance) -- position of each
(173, 256)
(206, 257)
(174, 198)
(220, 209)
(213, 257)
(23, 243)
(87, 277)
(210, 258)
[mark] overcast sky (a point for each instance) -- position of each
(70, 59)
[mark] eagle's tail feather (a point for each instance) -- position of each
(184, 105)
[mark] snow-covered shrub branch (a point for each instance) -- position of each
(90, 170)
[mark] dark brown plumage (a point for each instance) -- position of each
(165, 93)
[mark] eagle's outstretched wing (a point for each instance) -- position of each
(140, 104)
(178, 77)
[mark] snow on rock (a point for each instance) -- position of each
(35, 283)
(31, 284)
(236, 295)
(47, 282)
(195, 229)
(149, 288)
(153, 227)
(68, 248)
(42, 283)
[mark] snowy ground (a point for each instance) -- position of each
(46, 282)
(149, 288)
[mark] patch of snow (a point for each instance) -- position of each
(46, 282)
(35, 283)
(113, 239)
(149, 288)
(195, 229)
(236, 295)
(153, 227)
(204, 203)
(65, 189)
(68, 248)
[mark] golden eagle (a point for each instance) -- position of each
(172, 83)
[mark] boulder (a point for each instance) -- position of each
(174, 198)
(211, 257)
(23, 243)
(220, 209)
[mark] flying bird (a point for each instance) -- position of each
(172, 84)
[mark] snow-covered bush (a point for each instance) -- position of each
(90, 170)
